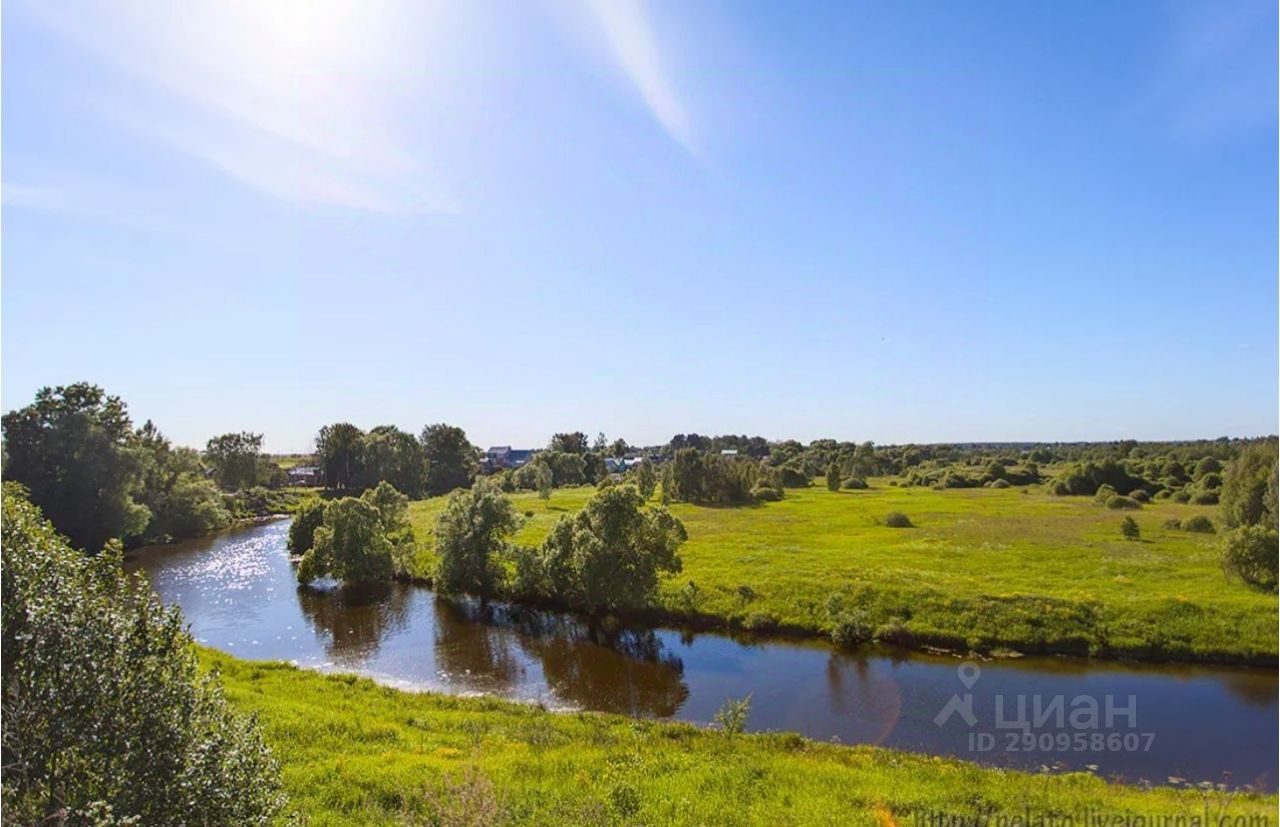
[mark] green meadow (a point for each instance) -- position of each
(352, 751)
(987, 569)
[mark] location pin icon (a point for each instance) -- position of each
(968, 673)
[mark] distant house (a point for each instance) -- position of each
(729, 452)
(615, 465)
(304, 475)
(501, 457)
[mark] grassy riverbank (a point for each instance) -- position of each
(356, 752)
(982, 568)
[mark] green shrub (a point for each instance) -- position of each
(766, 493)
(1204, 498)
(1104, 493)
(1060, 489)
(896, 519)
(850, 629)
(1251, 553)
(1119, 503)
(106, 711)
(1142, 495)
(1162, 495)
(733, 714)
(858, 484)
(1199, 524)
(1130, 529)
(999, 483)
(1182, 496)
(1173, 524)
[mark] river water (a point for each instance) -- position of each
(239, 594)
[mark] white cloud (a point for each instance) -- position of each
(301, 100)
(628, 32)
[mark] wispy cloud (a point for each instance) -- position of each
(300, 100)
(628, 33)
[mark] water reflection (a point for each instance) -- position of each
(473, 650)
(352, 620)
(239, 593)
(584, 663)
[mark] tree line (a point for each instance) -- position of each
(77, 454)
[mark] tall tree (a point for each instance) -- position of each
(339, 450)
(236, 460)
(394, 456)
(183, 502)
(569, 443)
(1248, 487)
(608, 556)
(451, 459)
(75, 451)
(470, 533)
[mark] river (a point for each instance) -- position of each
(238, 593)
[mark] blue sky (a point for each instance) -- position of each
(885, 221)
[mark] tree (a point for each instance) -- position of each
(235, 459)
(451, 459)
(358, 539)
(393, 511)
(607, 556)
(1130, 529)
(619, 448)
(75, 451)
(395, 456)
(544, 479)
(1252, 553)
(174, 489)
(833, 477)
(601, 444)
(107, 715)
(470, 534)
(1248, 495)
(350, 546)
(339, 452)
(302, 531)
(570, 443)
(646, 479)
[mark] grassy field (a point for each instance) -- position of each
(982, 568)
(355, 752)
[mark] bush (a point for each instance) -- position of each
(857, 484)
(999, 483)
(766, 493)
(1060, 489)
(850, 630)
(1119, 503)
(1129, 528)
(1251, 553)
(1141, 495)
(1173, 524)
(105, 707)
(1199, 524)
(896, 519)
(1162, 495)
(833, 477)
(732, 717)
(1104, 493)
(1183, 496)
(1204, 498)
